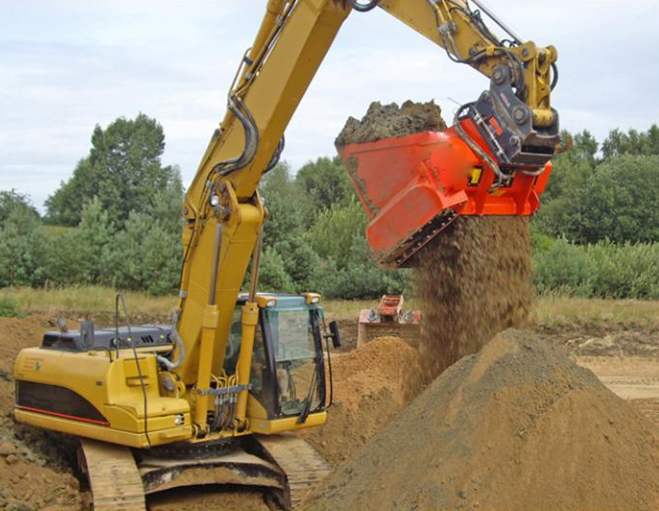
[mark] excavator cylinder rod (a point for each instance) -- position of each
(412, 187)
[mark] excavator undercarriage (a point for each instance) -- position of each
(284, 467)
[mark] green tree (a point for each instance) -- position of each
(585, 147)
(145, 256)
(325, 183)
(93, 239)
(272, 272)
(567, 179)
(346, 269)
(22, 245)
(618, 202)
(282, 201)
(11, 201)
(167, 203)
(290, 261)
(335, 230)
(572, 167)
(633, 142)
(63, 256)
(123, 170)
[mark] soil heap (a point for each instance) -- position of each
(371, 385)
(383, 121)
(474, 278)
(518, 426)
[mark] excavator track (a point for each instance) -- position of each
(113, 476)
(233, 466)
(121, 478)
(303, 466)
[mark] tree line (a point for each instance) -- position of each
(117, 222)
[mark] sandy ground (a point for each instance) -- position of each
(36, 467)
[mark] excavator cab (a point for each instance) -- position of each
(288, 366)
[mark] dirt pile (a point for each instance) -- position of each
(518, 426)
(383, 121)
(371, 385)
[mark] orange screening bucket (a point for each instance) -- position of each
(412, 187)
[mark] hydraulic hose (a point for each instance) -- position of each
(237, 107)
(277, 155)
(175, 364)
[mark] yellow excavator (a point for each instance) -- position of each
(216, 397)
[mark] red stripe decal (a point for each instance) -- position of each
(64, 416)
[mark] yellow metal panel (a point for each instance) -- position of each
(269, 427)
(104, 433)
(255, 409)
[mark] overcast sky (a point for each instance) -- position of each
(67, 65)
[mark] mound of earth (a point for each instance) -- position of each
(371, 385)
(518, 426)
(383, 121)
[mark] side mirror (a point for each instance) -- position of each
(335, 334)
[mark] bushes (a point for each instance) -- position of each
(603, 270)
(314, 236)
(604, 214)
(22, 250)
(144, 255)
(9, 308)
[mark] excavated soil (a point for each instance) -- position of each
(203, 499)
(371, 385)
(474, 277)
(473, 280)
(384, 121)
(518, 426)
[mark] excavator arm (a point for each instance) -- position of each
(223, 210)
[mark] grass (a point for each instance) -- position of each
(92, 299)
(550, 311)
(9, 308)
(560, 310)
